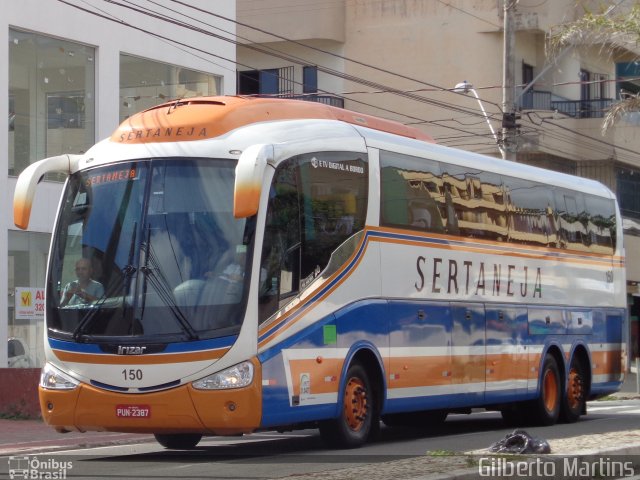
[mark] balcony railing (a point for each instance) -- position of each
(541, 100)
(315, 97)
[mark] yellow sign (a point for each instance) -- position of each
(29, 303)
(25, 298)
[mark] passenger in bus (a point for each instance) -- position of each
(226, 286)
(84, 290)
(234, 272)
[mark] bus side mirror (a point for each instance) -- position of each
(30, 177)
(249, 175)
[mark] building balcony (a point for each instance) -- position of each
(543, 100)
(313, 97)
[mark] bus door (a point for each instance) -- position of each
(507, 361)
(468, 353)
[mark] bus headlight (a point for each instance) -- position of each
(237, 376)
(53, 379)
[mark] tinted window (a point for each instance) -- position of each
(601, 226)
(571, 220)
(530, 213)
(317, 201)
(412, 193)
(478, 200)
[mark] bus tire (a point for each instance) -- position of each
(178, 441)
(574, 400)
(358, 412)
(546, 408)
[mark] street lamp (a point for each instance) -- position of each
(466, 87)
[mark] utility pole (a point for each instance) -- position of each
(509, 139)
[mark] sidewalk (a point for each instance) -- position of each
(31, 436)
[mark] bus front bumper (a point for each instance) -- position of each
(183, 409)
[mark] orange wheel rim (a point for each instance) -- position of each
(550, 390)
(355, 403)
(575, 390)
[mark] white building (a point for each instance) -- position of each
(76, 69)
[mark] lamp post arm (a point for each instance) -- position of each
(486, 117)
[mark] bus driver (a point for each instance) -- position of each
(84, 290)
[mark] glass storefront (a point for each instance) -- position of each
(27, 266)
(51, 98)
(146, 83)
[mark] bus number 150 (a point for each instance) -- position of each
(132, 374)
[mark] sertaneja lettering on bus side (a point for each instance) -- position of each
(478, 279)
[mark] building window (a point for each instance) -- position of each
(27, 265)
(146, 83)
(527, 74)
(271, 81)
(51, 98)
(627, 74)
(310, 79)
(628, 185)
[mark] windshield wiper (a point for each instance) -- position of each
(127, 271)
(161, 285)
(88, 317)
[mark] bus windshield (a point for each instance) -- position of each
(149, 250)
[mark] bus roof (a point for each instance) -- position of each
(210, 117)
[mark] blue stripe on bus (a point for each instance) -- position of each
(373, 318)
(178, 347)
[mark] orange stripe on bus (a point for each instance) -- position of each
(493, 243)
(539, 256)
(139, 359)
(323, 376)
(606, 362)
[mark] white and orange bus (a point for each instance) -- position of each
(247, 264)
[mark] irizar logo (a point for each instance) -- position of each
(126, 350)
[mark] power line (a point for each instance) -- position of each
(326, 52)
(440, 123)
(123, 23)
(297, 60)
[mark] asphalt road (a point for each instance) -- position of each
(298, 454)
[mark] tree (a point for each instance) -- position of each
(609, 28)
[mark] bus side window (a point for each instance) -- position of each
(411, 193)
(571, 219)
(601, 225)
(281, 237)
(317, 201)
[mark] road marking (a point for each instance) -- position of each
(600, 409)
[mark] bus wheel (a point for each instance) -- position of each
(574, 400)
(355, 422)
(178, 441)
(546, 408)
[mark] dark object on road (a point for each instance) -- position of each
(520, 441)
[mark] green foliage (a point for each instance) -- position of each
(610, 28)
(605, 27)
